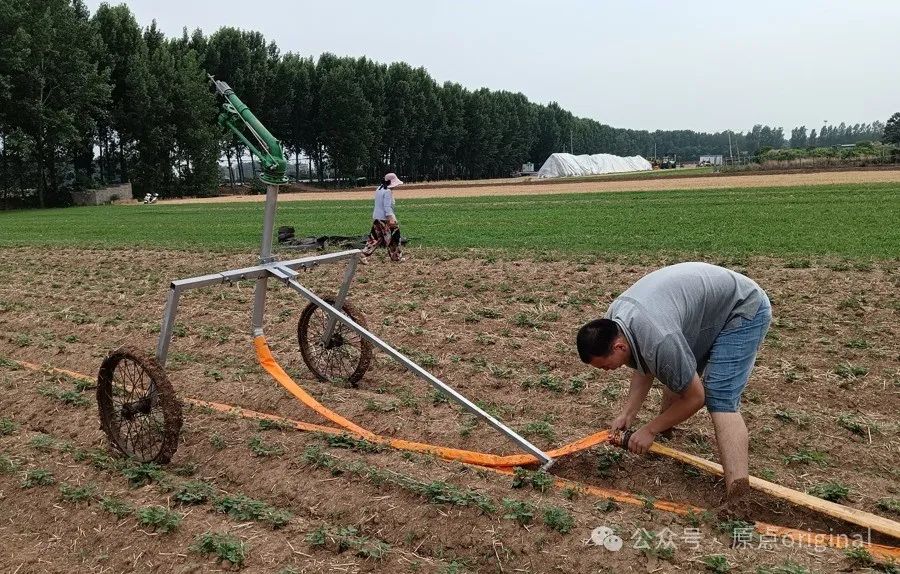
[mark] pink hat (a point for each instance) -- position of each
(393, 180)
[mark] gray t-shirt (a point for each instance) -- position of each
(671, 317)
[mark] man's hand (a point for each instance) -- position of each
(392, 222)
(622, 422)
(641, 440)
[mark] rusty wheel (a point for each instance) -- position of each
(139, 411)
(345, 357)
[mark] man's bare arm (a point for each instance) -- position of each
(682, 408)
(637, 394)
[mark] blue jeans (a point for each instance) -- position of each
(731, 359)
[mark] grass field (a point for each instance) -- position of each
(683, 171)
(858, 220)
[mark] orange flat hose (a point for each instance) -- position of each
(502, 464)
(269, 363)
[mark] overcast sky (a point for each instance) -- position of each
(706, 66)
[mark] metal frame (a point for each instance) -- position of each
(286, 272)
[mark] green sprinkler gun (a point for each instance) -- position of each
(236, 116)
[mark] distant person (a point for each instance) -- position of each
(673, 325)
(385, 227)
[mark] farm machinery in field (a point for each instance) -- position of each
(140, 412)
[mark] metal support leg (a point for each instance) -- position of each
(265, 256)
(341, 296)
(259, 306)
(265, 251)
(168, 322)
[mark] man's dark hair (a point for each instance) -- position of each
(596, 338)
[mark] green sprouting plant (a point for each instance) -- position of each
(848, 371)
(38, 477)
(159, 518)
(607, 505)
(650, 545)
(525, 320)
(97, 458)
(576, 385)
(608, 459)
(833, 491)
(224, 546)
(467, 425)
(69, 397)
(244, 509)
(788, 416)
(499, 371)
(571, 492)
(518, 510)
(42, 442)
(71, 493)
(649, 501)
(696, 520)
(890, 505)
(347, 538)
(438, 397)
(193, 492)
(857, 344)
(82, 385)
(217, 441)
(117, 507)
(484, 339)
(856, 426)
(546, 381)
(850, 303)
(373, 405)
(7, 426)
(267, 424)
(317, 537)
(488, 313)
(143, 473)
(859, 557)
(186, 469)
(7, 465)
(734, 527)
(558, 519)
(539, 480)
(439, 492)
(540, 428)
(804, 456)
(767, 474)
(352, 443)
(717, 563)
(260, 448)
(314, 455)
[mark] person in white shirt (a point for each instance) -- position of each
(385, 227)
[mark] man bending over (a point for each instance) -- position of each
(674, 324)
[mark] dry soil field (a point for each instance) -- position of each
(822, 409)
(520, 187)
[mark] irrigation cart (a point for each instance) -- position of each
(139, 409)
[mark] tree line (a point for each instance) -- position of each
(87, 100)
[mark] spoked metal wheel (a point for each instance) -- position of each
(139, 411)
(345, 357)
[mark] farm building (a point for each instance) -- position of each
(710, 160)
